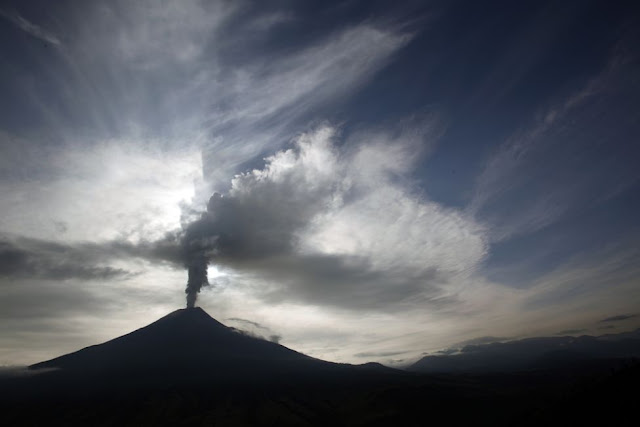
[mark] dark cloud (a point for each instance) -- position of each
(53, 261)
(22, 257)
(43, 318)
(571, 332)
(479, 341)
(18, 371)
(368, 354)
(347, 282)
(35, 304)
(61, 226)
(618, 318)
(446, 351)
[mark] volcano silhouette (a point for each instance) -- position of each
(189, 346)
(186, 366)
(183, 338)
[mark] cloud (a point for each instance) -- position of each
(578, 292)
(593, 276)
(19, 371)
(42, 318)
(571, 332)
(255, 329)
(536, 177)
(247, 322)
(22, 257)
(31, 28)
(618, 318)
(479, 341)
(378, 354)
(260, 103)
(30, 258)
(222, 88)
(99, 190)
(224, 108)
(340, 227)
(342, 61)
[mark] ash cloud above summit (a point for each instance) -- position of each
(366, 179)
(336, 226)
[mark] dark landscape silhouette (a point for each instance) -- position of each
(189, 369)
(534, 354)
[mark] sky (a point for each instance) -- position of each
(393, 179)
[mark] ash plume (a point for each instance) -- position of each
(262, 212)
(199, 245)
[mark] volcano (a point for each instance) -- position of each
(187, 366)
(189, 346)
(186, 337)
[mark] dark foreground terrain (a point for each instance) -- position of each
(188, 369)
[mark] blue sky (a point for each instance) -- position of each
(396, 179)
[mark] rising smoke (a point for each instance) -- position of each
(263, 211)
(199, 245)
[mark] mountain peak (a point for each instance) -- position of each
(187, 337)
(190, 317)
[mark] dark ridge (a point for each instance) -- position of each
(535, 354)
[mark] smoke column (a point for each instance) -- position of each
(198, 246)
(197, 279)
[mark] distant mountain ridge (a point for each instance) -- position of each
(532, 353)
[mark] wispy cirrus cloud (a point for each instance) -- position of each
(30, 28)
(258, 104)
(539, 175)
(618, 318)
(192, 75)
